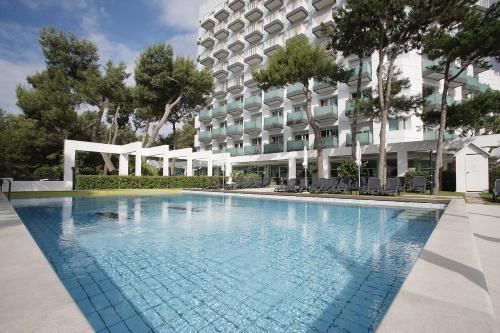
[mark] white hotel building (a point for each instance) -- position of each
(266, 131)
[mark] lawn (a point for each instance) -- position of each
(488, 199)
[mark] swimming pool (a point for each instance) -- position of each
(191, 262)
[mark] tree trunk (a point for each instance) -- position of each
(174, 143)
(318, 145)
(146, 130)
(381, 100)
(111, 139)
(157, 127)
(438, 164)
(354, 123)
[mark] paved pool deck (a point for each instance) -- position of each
(32, 298)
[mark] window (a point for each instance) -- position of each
(222, 146)
(222, 124)
(328, 133)
(238, 121)
(364, 93)
(300, 107)
(209, 128)
(239, 99)
(276, 139)
(394, 124)
(256, 141)
(334, 100)
(303, 136)
(277, 113)
(238, 144)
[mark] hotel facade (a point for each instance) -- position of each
(265, 132)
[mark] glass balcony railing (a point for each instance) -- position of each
(433, 135)
(219, 151)
(204, 136)
(273, 122)
(295, 89)
(273, 148)
(483, 87)
(298, 117)
(219, 133)
(234, 107)
(274, 95)
(327, 111)
(366, 71)
(364, 138)
(329, 142)
(472, 83)
(296, 145)
(434, 100)
(428, 65)
(219, 111)
(252, 150)
(253, 102)
(205, 115)
(235, 151)
(234, 130)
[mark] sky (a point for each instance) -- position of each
(121, 29)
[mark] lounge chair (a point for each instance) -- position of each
(292, 185)
(372, 186)
(330, 185)
(496, 190)
(266, 181)
(344, 186)
(391, 187)
(302, 185)
(418, 184)
(316, 188)
(282, 187)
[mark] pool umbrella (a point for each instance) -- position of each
(304, 164)
(358, 162)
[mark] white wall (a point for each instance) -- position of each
(25, 186)
(461, 169)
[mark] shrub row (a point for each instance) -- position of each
(91, 182)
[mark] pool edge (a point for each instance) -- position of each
(31, 301)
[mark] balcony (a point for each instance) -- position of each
(330, 142)
(273, 96)
(235, 44)
(234, 130)
(322, 88)
(364, 138)
(274, 22)
(253, 10)
(318, 30)
(220, 90)
(205, 116)
(471, 85)
(236, 63)
(434, 101)
(220, 52)
(221, 31)
(236, 5)
(208, 23)
(296, 11)
(273, 4)
(295, 91)
(484, 5)
(273, 43)
(207, 39)
(253, 32)
(252, 150)
(207, 59)
(433, 135)
(249, 80)
(430, 69)
(320, 4)
(254, 55)
(219, 111)
(235, 108)
(219, 133)
(271, 123)
(273, 148)
(251, 127)
(296, 145)
(349, 105)
(298, 118)
(221, 12)
(483, 87)
(366, 73)
(326, 113)
(236, 22)
(235, 151)
(220, 70)
(235, 85)
(205, 137)
(253, 103)
(460, 80)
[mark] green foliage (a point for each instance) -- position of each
(237, 174)
(53, 172)
(409, 175)
(348, 169)
(252, 175)
(144, 182)
(494, 173)
(184, 137)
(149, 170)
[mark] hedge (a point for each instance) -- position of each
(91, 182)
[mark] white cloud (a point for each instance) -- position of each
(184, 45)
(182, 14)
(12, 75)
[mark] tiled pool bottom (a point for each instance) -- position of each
(187, 263)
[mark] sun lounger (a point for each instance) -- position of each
(344, 186)
(391, 186)
(292, 185)
(418, 184)
(282, 187)
(372, 186)
(322, 183)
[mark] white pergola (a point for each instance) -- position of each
(136, 149)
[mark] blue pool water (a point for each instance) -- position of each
(189, 262)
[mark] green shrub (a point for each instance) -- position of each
(409, 175)
(237, 174)
(252, 175)
(88, 182)
(494, 173)
(49, 172)
(348, 169)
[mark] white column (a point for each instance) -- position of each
(292, 168)
(69, 161)
(326, 167)
(189, 167)
(123, 165)
(210, 166)
(165, 165)
(229, 171)
(402, 157)
(138, 164)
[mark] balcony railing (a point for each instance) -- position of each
(329, 142)
(235, 107)
(434, 100)
(273, 148)
(204, 136)
(273, 96)
(296, 118)
(296, 145)
(234, 130)
(218, 133)
(252, 150)
(252, 126)
(295, 90)
(235, 151)
(364, 138)
(273, 122)
(366, 72)
(253, 102)
(205, 115)
(433, 135)
(326, 112)
(219, 112)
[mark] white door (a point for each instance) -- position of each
(473, 177)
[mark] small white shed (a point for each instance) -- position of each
(471, 169)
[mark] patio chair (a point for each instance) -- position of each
(330, 185)
(496, 190)
(344, 186)
(282, 187)
(372, 186)
(391, 187)
(302, 185)
(418, 184)
(316, 188)
(292, 185)
(266, 181)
